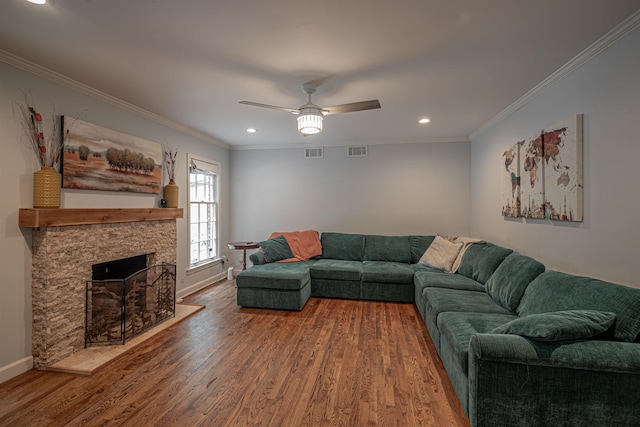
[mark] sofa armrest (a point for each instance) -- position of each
(610, 356)
(516, 381)
(257, 258)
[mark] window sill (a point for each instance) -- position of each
(203, 266)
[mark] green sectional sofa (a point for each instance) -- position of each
(522, 345)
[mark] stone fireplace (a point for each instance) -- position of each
(66, 243)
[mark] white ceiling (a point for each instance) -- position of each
(458, 62)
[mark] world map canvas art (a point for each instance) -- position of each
(510, 180)
(532, 177)
(542, 175)
(563, 171)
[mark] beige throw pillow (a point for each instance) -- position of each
(441, 254)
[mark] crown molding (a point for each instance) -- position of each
(618, 32)
(56, 77)
(327, 144)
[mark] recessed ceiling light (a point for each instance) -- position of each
(37, 1)
(423, 121)
(251, 130)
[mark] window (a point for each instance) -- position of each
(204, 182)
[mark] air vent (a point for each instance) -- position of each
(357, 151)
(313, 153)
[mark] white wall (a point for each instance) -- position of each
(397, 189)
(607, 244)
(17, 164)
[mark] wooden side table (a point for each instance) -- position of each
(243, 246)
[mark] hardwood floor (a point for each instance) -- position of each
(337, 362)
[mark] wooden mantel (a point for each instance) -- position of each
(34, 218)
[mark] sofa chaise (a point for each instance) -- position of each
(522, 345)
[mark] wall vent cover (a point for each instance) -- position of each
(357, 151)
(313, 153)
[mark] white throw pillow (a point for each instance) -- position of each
(441, 254)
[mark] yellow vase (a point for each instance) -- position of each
(171, 194)
(46, 188)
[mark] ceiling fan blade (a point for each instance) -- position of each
(354, 106)
(256, 104)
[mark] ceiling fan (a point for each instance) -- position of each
(310, 115)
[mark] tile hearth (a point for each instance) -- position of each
(89, 360)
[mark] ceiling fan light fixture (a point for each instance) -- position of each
(310, 121)
(310, 115)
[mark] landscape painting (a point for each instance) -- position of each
(96, 158)
(510, 181)
(563, 170)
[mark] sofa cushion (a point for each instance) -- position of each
(327, 288)
(335, 269)
(508, 283)
(276, 249)
(419, 245)
(386, 272)
(556, 291)
(387, 248)
(481, 259)
(422, 267)
(390, 292)
(456, 330)
(441, 254)
(443, 300)
(559, 325)
(257, 258)
(439, 279)
(275, 276)
(342, 246)
(275, 299)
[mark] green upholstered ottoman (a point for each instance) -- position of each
(283, 286)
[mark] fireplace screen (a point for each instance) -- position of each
(119, 309)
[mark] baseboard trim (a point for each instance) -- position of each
(200, 285)
(16, 368)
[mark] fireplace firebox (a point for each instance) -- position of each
(125, 298)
